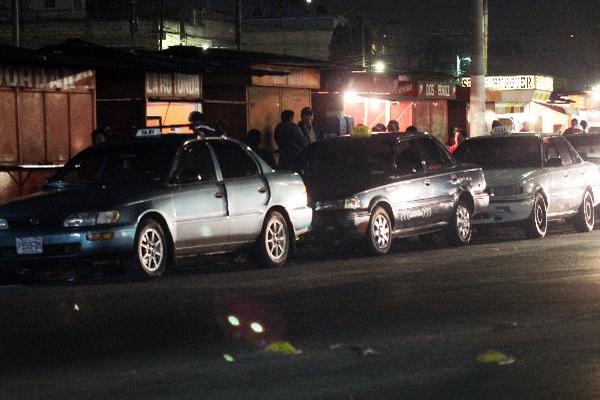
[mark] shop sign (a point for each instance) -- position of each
(437, 90)
(173, 85)
(46, 79)
(517, 82)
(406, 89)
(308, 78)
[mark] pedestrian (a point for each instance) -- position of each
(378, 128)
(452, 135)
(100, 135)
(307, 126)
(458, 138)
(526, 127)
(254, 140)
(412, 129)
(198, 125)
(393, 126)
(583, 124)
(289, 139)
(574, 129)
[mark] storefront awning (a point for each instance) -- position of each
(566, 109)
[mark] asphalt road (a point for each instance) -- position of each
(410, 325)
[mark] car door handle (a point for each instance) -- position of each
(262, 189)
(454, 179)
(566, 175)
(219, 195)
(427, 183)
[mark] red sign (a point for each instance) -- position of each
(42, 78)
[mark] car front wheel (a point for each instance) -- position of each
(460, 229)
(273, 246)
(379, 235)
(536, 225)
(584, 220)
(150, 258)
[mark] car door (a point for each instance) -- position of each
(201, 223)
(246, 189)
(407, 194)
(439, 186)
(578, 178)
(559, 171)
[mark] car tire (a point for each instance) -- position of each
(379, 233)
(585, 218)
(273, 246)
(151, 251)
(536, 226)
(460, 229)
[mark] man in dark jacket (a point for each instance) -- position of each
(289, 139)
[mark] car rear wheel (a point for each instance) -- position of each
(536, 225)
(151, 251)
(379, 234)
(461, 228)
(584, 220)
(273, 246)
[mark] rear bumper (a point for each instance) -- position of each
(505, 211)
(301, 219)
(68, 245)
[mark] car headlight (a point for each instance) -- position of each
(352, 203)
(508, 190)
(91, 219)
(3, 224)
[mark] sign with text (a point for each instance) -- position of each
(46, 78)
(293, 77)
(181, 86)
(437, 90)
(518, 82)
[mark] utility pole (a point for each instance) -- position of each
(238, 24)
(479, 41)
(162, 23)
(362, 36)
(16, 23)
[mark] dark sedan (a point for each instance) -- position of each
(390, 185)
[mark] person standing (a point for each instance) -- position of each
(458, 138)
(289, 139)
(573, 129)
(393, 126)
(306, 124)
(254, 139)
(198, 125)
(583, 125)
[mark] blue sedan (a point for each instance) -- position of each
(151, 200)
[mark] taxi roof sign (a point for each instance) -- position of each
(148, 132)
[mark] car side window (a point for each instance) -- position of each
(430, 153)
(407, 160)
(555, 149)
(234, 161)
(196, 164)
(574, 153)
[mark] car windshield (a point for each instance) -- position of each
(124, 162)
(501, 153)
(348, 159)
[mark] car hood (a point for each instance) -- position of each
(508, 176)
(68, 200)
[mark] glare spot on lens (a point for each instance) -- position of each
(75, 307)
(233, 320)
(256, 327)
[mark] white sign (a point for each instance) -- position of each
(148, 132)
(43, 78)
(518, 82)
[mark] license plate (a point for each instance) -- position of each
(30, 245)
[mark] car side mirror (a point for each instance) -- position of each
(554, 162)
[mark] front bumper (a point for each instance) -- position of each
(505, 210)
(68, 244)
(481, 202)
(340, 224)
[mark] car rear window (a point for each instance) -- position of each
(501, 153)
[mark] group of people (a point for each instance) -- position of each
(576, 127)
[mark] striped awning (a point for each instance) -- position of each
(510, 108)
